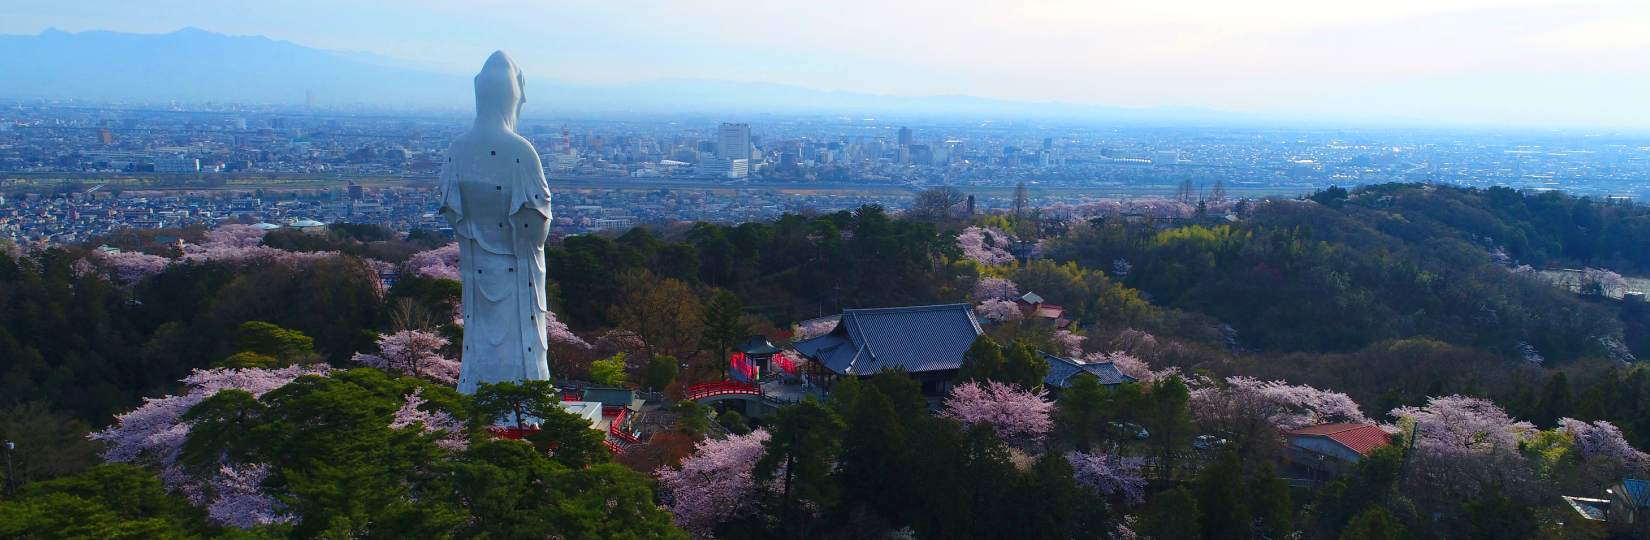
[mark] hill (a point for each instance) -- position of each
(197, 65)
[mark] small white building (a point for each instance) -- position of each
(591, 411)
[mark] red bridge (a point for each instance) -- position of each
(705, 390)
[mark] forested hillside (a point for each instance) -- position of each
(1403, 305)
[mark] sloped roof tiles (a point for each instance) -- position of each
(1361, 438)
(917, 338)
(1061, 370)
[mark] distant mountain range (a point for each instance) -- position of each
(196, 65)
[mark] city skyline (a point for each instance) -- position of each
(1467, 61)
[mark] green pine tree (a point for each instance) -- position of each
(1557, 401)
(661, 371)
(1374, 524)
(983, 361)
(1167, 419)
(1081, 411)
(1023, 367)
(804, 440)
(1174, 516)
(874, 453)
(1270, 503)
(725, 327)
(1222, 499)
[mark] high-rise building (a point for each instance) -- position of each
(104, 136)
(1048, 143)
(309, 99)
(905, 136)
(733, 141)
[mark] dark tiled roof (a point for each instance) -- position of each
(1061, 370)
(1361, 438)
(757, 345)
(917, 338)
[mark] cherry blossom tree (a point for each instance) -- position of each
(152, 436)
(1110, 476)
(1017, 415)
(715, 484)
(1529, 354)
(1617, 350)
(243, 257)
(82, 268)
(1254, 415)
(985, 245)
(1121, 267)
(620, 341)
(1068, 343)
(414, 353)
(1130, 365)
(1136, 341)
(239, 500)
(995, 288)
(1154, 207)
(439, 263)
(1464, 444)
(1283, 405)
(558, 332)
(815, 329)
(1602, 440)
(235, 235)
(999, 310)
(409, 415)
(1602, 282)
(129, 267)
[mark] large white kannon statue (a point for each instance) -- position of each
(494, 195)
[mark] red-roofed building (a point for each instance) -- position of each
(1334, 447)
(1033, 307)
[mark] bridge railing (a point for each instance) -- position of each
(704, 390)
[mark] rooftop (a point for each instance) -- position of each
(916, 338)
(1361, 438)
(1061, 370)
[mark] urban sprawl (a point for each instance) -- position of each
(71, 170)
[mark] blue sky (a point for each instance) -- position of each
(1491, 61)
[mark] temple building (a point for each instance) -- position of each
(928, 342)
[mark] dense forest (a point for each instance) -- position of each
(1412, 306)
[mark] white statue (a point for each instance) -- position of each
(494, 195)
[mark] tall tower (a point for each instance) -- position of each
(309, 99)
(733, 141)
(904, 136)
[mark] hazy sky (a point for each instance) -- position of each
(1522, 61)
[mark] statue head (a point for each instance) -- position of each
(500, 91)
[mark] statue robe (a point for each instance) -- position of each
(499, 210)
(494, 195)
